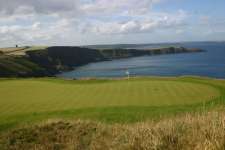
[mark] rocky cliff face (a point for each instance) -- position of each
(124, 53)
(55, 59)
(52, 60)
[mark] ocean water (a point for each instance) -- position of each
(210, 64)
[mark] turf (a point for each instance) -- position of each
(20, 50)
(28, 100)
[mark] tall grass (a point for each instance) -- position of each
(199, 131)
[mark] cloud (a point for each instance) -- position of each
(65, 21)
(35, 33)
(74, 8)
(113, 7)
(12, 7)
(152, 22)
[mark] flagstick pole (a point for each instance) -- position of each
(128, 74)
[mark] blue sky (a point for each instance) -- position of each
(84, 22)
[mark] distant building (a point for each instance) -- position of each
(17, 46)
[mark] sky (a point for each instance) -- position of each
(88, 22)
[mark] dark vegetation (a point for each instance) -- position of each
(52, 60)
(14, 66)
(124, 53)
(55, 59)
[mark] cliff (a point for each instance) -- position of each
(124, 53)
(52, 60)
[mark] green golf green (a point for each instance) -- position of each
(25, 96)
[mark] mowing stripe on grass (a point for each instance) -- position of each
(40, 96)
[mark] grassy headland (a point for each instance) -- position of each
(48, 61)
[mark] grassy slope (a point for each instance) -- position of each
(20, 50)
(106, 100)
(192, 131)
(12, 50)
(18, 66)
(42, 62)
(14, 63)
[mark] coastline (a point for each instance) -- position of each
(53, 60)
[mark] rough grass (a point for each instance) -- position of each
(191, 131)
(20, 50)
(11, 49)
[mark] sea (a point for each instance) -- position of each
(210, 63)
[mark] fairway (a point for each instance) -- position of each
(33, 96)
(109, 100)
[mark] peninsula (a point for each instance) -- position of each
(49, 61)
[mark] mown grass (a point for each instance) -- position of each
(38, 96)
(113, 101)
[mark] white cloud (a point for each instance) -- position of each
(127, 7)
(35, 33)
(67, 21)
(12, 7)
(68, 8)
(160, 21)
